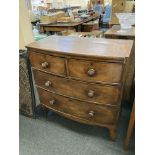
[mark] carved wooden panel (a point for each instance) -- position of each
(25, 90)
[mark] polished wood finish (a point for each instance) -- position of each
(114, 33)
(95, 93)
(95, 71)
(111, 49)
(95, 113)
(48, 63)
(130, 127)
(82, 78)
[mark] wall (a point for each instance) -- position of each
(25, 28)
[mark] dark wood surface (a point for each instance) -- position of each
(130, 127)
(84, 78)
(92, 47)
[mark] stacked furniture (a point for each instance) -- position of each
(81, 78)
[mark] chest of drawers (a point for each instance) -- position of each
(81, 78)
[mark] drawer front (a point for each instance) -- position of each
(86, 111)
(95, 71)
(81, 90)
(48, 63)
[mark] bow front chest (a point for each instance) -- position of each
(81, 78)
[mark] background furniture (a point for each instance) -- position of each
(66, 26)
(93, 34)
(26, 91)
(130, 127)
(117, 7)
(90, 26)
(114, 33)
(81, 78)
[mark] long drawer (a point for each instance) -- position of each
(101, 94)
(95, 71)
(83, 110)
(48, 63)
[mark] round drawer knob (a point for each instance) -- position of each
(91, 113)
(47, 83)
(44, 65)
(52, 102)
(90, 93)
(91, 72)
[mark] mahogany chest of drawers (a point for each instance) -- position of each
(81, 78)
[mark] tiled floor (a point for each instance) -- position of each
(61, 136)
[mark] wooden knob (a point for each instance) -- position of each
(52, 102)
(90, 93)
(91, 72)
(91, 113)
(44, 65)
(47, 83)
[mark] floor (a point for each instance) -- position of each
(60, 136)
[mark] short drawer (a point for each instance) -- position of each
(48, 63)
(95, 71)
(101, 94)
(86, 111)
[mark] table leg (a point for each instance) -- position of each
(130, 127)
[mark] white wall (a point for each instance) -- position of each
(25, 29)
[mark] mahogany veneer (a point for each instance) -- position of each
(81, 78)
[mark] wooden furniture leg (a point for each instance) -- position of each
(45, 110)
(130, 127)
(112, 133)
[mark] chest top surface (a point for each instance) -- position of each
(115, 31)
(97, 47)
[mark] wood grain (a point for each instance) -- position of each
(114, 33)
(103, 94)
(92, 47)
(79, 109)
(55, 64)
(84, 78)
(106, 72)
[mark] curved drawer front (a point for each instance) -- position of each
(80, 90)
(86, 111)
(95, 71)
(48, 63)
